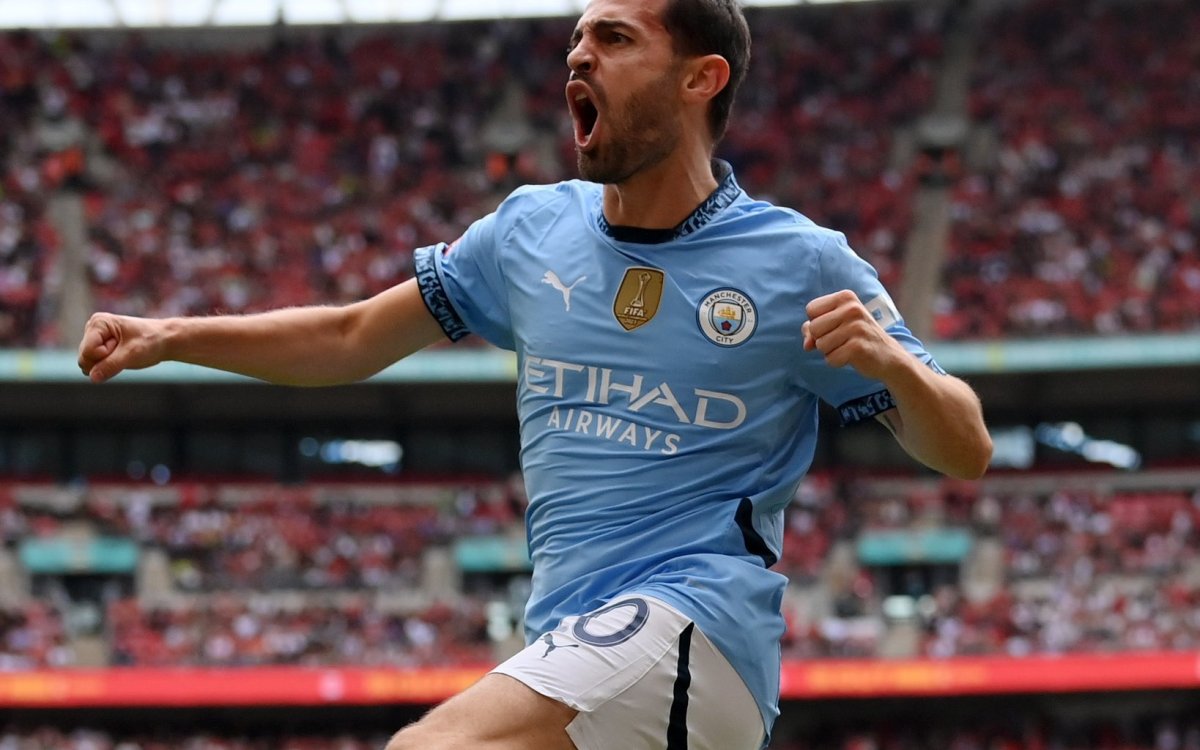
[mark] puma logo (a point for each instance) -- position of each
(548, 639)
(552, 279)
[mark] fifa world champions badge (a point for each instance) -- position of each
(638, 297)
(727, 317)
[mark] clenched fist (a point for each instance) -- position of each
(112, 343)
(842, 328)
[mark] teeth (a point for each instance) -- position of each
(581, 97)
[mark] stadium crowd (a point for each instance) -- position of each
(28, 242)
(1085, 572)
(1087, 221)
(304, 170)
(1082, 571)
(1078, 571)
(285, 543)
(32, 636)
(245, 631)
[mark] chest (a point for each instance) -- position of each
(709, 313)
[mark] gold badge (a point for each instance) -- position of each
(638, 298)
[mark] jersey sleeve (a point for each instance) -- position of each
(464, 287)
(857, 398)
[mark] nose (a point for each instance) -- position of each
(580, 59)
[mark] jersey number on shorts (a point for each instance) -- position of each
(606, 620)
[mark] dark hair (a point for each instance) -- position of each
(707, 27)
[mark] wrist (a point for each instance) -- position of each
(168, 336)
(898, 366)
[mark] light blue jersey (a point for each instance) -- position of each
(668, 409)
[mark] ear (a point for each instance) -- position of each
(706, 77)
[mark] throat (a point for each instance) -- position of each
(643, 217)
(656, 202)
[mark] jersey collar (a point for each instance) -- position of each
(727, 191)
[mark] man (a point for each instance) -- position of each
(674, 337)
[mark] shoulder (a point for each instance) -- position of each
(791, 231)
(531, 201)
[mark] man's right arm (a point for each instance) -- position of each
(306, 346)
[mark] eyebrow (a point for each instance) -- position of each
(600, 25)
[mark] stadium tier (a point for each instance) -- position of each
(430, 575)
(301, 169)
(305, 170)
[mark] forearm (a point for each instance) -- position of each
(298, 346)
(939, 420)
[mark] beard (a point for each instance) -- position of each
(642, 134)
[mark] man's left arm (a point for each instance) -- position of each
(937, 419)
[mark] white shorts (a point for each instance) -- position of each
(643, 677)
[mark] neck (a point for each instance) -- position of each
(664, 195)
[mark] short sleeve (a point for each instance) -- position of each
(855, 397)
(463, 284)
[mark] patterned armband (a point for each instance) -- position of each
(874, 404)
(434, 293)
(862, 409)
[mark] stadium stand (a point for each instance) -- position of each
(308, 170)
(1072, 571)
(1084, 220)
(1079, 222)
(32, 637)
(241, 631)
(254, 573)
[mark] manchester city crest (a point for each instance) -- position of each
(727, 317)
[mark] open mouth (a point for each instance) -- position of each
(584, 112)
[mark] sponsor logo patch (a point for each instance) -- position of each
(883, 310)
(638, 297)
(727, 317)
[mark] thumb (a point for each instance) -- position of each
(139, 346)
(103, 370)
(111, 363)
(809, 342)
